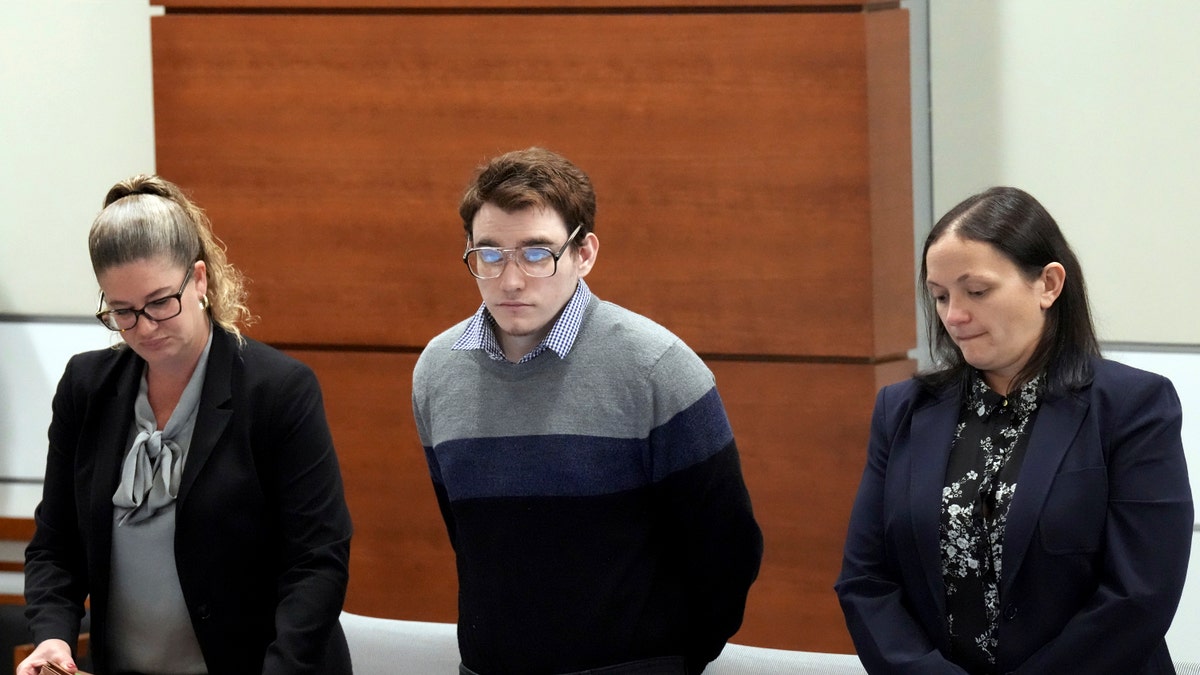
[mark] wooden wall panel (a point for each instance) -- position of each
(401, 563)
(754, 183)
(732, 155)
(889, 124)
(802, 431)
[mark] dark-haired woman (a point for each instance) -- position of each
(1025, 506)
(192, 493)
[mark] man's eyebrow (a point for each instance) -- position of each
(532, 241)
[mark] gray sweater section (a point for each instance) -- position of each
(624, 376)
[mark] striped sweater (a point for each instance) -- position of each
(595, 503)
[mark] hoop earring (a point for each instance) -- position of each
(204, 302)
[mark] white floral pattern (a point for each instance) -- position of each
(981, 481)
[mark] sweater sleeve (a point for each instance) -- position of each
(421, 417)
(704, 498)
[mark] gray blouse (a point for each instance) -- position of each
(151, 629)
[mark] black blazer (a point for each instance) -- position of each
(1096, 544)
(262, 540)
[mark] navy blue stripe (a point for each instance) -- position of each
(541, 466)
(562, 465)
(698, 432)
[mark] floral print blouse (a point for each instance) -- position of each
(981, 478)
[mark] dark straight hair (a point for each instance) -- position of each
(1017, 226)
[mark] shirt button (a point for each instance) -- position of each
(1010, 612)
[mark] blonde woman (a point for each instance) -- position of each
(192, 493)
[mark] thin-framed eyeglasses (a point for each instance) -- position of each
(166, 307)
(488, 262)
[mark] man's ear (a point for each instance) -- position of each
(586, 253)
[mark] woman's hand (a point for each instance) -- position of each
(54, 650)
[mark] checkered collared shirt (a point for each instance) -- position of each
(481, 331)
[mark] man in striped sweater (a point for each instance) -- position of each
(580, 454)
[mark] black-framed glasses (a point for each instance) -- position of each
(167, 307)
(488, 262)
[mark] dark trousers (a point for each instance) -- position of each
(661, 665)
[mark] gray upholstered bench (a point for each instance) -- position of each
(396, 647)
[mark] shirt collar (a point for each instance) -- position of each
(480, 332)
(1024, 401)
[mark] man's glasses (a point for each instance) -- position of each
(161, 309)
(536, 261)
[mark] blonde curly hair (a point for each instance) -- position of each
(146, 216)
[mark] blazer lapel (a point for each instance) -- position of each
(110, 421)
(215, 408)
(932, 438)
(1053, 431)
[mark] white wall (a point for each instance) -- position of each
(78, 115)
(1092, 106)
(35, 354)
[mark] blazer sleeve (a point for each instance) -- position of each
(55, 562)
(1147, 536)
(887, 636)
(306, 481)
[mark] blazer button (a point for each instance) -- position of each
(202, 612)
(1010, 612)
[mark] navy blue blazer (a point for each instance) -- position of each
(1096, 544)
(262, 531)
